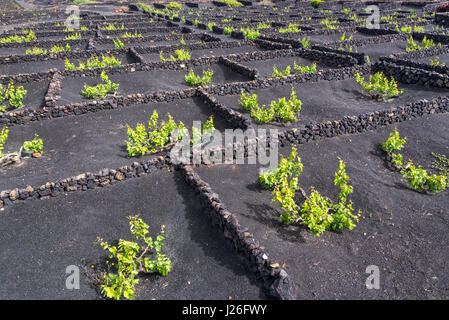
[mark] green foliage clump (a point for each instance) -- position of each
(180, 54)
(3, 137)
(306, 69)
(390, 18)
(316, 3)
(73, 36)
(195, 80)
(174, 15)
(344, 38)
(299, 69)
(111, 26)
(416, 176)
(321, 214)
(286, 110)
(329, 23)
(30, 36)
(394, 142)
(12, 95)
(250, 34)
(292, 27)
(118, 43)
(425, 43)
(101, 89)
(94, 62)
(174, 6)
(284, 195)
(350, 49)
(412, 45)
(437, 62)
(36, 145)
(36, 50)
(159, 134)
(247, 101)
(317, 212)
(210, 25)
(409, 29)
(290, 167)
(130, 259)
(142, 141)
(232, 3)
(131, 35)
(284, 189)
(441, 163)
(58, 49)
(285, 72)
(182, 41)
(419, 179)
(356, 19)
(137, 140)
(80, 2)
(228, 30)
(148, 8)
(262, 114)
(343, 211)
(379, 87)
(305, 42)
(197, 134)
(263, 25)
(280, 110)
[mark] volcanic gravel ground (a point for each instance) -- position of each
(401, 231)
(40, 239)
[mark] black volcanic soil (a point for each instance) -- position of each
(375, 51)
(443, 58)
(154, 57)
(265, 67)
(145, 81)
(90, 142)
(331, 100)
(43, 66)
(401, 231)
(41, 238)
(320, 39)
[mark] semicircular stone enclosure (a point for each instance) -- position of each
(215, 150)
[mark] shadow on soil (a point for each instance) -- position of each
(269, 216)
(201, 229)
